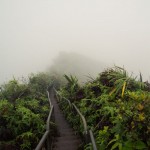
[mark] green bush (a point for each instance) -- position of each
(116, 107)
(24, 108)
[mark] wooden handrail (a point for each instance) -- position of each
(46, 134)
(92, 140)
(50, 103)
(83, 119)
(42, 141)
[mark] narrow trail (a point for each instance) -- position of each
(66, 139)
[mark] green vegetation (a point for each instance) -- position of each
(116, 107)
(24, 108)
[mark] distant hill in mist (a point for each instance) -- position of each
(77, 65)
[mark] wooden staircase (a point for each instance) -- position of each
(66, 139)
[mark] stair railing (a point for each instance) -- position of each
(83, 119)
(89, 137)
(45, 140)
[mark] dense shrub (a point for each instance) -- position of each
(24, 108)
(116, 107)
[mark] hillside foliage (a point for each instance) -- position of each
(116, 107)
(24, 108)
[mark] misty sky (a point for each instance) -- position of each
(33, 32)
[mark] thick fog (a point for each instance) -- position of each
(33, 33)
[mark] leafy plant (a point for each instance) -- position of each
(116, 106)
(24, 108)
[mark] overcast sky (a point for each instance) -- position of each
(33, 32)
